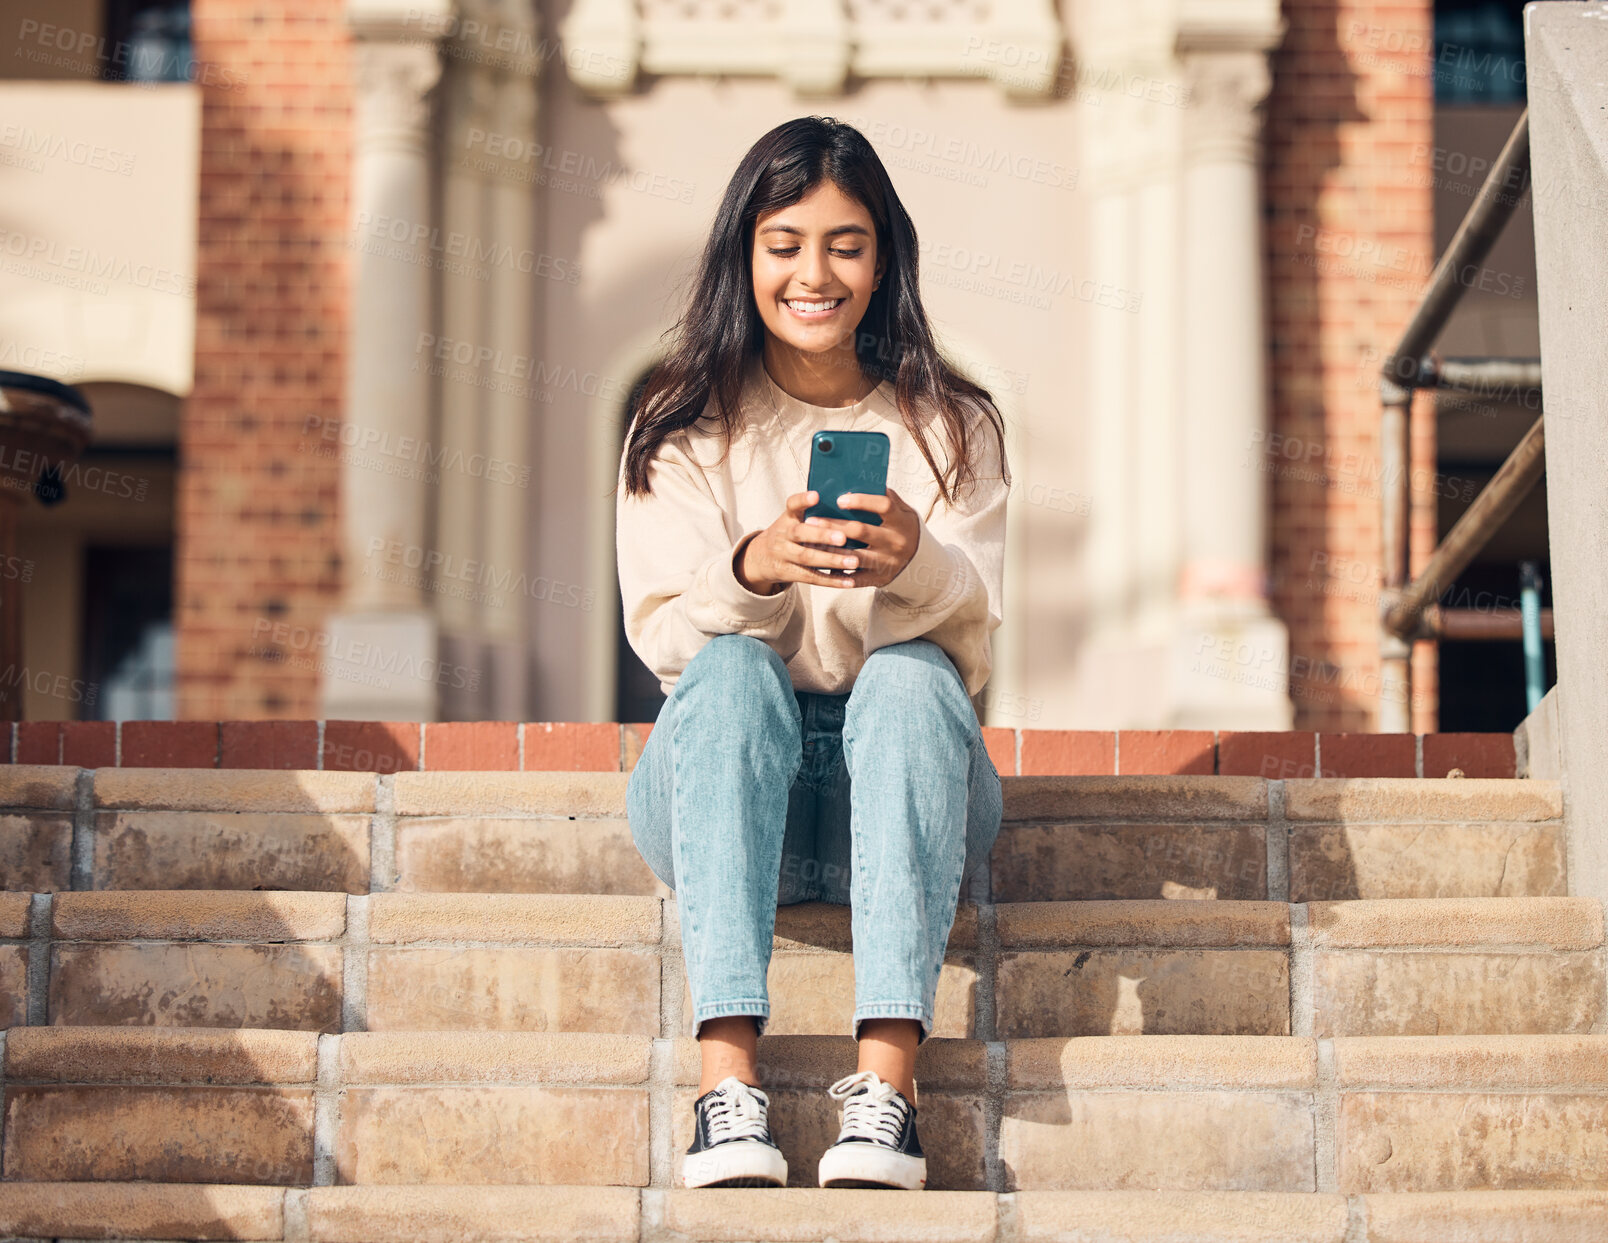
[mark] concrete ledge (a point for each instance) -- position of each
(1147, 922)
(170, 1055)
(14, 913)
(556, 919)
(198, 915)
(140, 1211)
(1198, 1216)
(493, 1057)
(246, 789)
(443, 1214)
(511, 794)
(1520, 1216)
(1417, 1063)
(1457, 923)
(38, 787)
(1409, 799)
(1135, 798)
(1164, 1063)
(842, 1215)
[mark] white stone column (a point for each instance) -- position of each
(469, 118)
(508, 510)
(1128, 182)
(1232, 654)
(381, 658)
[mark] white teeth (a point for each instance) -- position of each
(813, 306)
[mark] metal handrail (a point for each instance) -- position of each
(1406, 605)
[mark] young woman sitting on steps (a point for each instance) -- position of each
(819, 741)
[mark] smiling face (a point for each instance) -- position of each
(814, 265)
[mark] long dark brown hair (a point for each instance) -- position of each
(721, 332)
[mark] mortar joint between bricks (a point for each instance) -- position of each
(1301, 971)
(985, 1018)
(354, 965)
(1007, 1218)
(40, 906)
(1277, 843)
(1356, 1219)
(382, 835)
(1418, 755)
(995, 1088)
(82, 869)
(294, 1208)
(1325, 1121)
(661, 1112)
(651, 1207)
(326, 1103)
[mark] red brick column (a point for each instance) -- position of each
(1350, 246)
(257, 555)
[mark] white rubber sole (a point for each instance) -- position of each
(736, 1163)
(867, 1165)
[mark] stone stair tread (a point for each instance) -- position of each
(269, 1056)
(515, 1214)
(449, 793)
(1064, 837)
(1112, 1112)
(1564, 923)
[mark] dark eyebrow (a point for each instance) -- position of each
(842, 228)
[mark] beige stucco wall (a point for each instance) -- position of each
(98, 194)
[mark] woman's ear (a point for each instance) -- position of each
(882, 267)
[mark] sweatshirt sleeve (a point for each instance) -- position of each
(678, 588)
(952, 589)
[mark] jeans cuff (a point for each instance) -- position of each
(757, 1008)
(895, 1010)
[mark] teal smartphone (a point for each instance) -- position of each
(847, 462)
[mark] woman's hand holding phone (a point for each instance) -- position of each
(787, 552)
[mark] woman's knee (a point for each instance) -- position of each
(737, 655)
(912, 662)
(904, 682)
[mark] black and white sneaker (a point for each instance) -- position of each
(731, 1142)
(877, 1146)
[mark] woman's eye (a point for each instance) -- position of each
(793, 250)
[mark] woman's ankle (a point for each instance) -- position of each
(728, 1045)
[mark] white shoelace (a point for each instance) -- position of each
(875, 1114)
(737, 1111)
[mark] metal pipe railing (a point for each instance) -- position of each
(1403, 603)
(1482, 519)
(1486, 218)
(1477, 624)
(1516, 376)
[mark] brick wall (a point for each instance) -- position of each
(257, 511)
(1350, 244)
(608, 746)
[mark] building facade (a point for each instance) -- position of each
(423, 252)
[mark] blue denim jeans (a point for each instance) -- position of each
(750, 794)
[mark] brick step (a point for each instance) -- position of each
(1067, 838)
(478, 1214)
(1113, 1113)
(335, 962)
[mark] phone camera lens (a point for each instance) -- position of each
(826, 444)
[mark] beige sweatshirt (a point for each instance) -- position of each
(676, 547)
